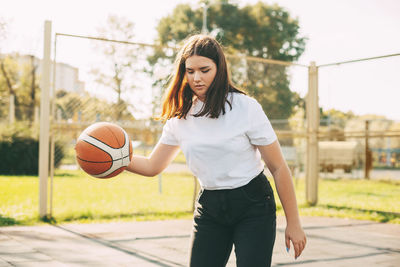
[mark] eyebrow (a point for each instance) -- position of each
(201, 68)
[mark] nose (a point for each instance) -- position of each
(196, 76)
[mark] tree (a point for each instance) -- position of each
(18, 78)
(30, 85)
(118, 70)
(9, 72)
(335, 117)
(3, 100)
(260, 30)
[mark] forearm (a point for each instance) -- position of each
(273, 157)
(160, 157)
(141, 165)
(286, 193)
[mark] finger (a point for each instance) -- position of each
(300, 245)
(287, 242)
(301, 248)
(296, 247)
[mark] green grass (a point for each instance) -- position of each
(357, 199)
(81, 198)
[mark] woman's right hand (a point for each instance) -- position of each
(296, 235)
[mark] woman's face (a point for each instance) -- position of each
(200, 73)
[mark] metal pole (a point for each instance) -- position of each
(204, 28)
(44, 122)
(388, 152)
(52, 142)
(160, 183)
(312, 164)
(367, 152)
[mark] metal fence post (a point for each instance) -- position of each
(44, 122)
(368, 153)
(312, 167)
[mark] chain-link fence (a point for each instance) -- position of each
(111, 86)
(129, 94)
(95, 79)
(122, 82)
(360, 123)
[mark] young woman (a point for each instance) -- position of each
(224, 135)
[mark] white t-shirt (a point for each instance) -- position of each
(220, 152)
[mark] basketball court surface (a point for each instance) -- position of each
(331, 242)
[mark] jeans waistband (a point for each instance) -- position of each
(259, 180)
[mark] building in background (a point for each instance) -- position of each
(67, 76)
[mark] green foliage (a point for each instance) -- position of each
(9, 132)
(19, 150)
(20, 156)
(260, 30)
(335, 117)
(18, 77)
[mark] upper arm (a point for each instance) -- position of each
(272, 156)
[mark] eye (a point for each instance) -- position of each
(205, 71)
(189, 71)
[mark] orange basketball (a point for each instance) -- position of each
(103, 150)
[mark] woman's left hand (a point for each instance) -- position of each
(295, 234)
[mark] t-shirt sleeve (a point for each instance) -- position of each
(260, 131)
(168, 136)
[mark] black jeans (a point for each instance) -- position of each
(244, 216)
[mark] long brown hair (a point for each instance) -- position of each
(179, 96)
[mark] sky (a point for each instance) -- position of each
(337, 30)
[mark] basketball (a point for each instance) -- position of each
(103, 150)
